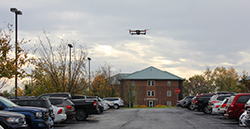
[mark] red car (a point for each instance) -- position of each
(235, 105)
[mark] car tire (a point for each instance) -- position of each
(206, 110)
(116, 106)
(81, 115)
(190, 107)
(242, 124)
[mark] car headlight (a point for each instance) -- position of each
(39, 114)
(13, 120)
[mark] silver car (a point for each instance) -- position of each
(117, 102)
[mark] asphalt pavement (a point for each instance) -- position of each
(154, 118)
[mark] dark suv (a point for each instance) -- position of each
(12, 120)
(34, 102)
(36, 118)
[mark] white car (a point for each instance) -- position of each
(105, 106)
(60, 115)
(117, 102)
(222, 107)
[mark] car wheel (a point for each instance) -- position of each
(241, 121)
(81, 115)
(206, 110)
(190, 107)
(116, 106)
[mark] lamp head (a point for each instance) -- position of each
(16, 11)
(70, 45)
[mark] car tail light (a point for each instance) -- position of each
(95, 104)
(213, 102)
(196, 101)
(59, 111)
(198, 96)
(69, 107)
(217, 106)
(223, 105)
(178, 102)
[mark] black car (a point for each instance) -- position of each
(65, 95)
(12, 120)
(36, 102)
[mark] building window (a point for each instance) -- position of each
(151, 83)
(133, 83)
(151, 93)
(169, 93)
(169, 83)
(168, 103)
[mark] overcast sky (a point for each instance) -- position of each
(184, 36)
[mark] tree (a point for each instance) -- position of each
(226, 80)
(6, 94)
(102, 85)
(51, 73)
(244, 86)
(7, 66)
(197, 84)
(131, 94)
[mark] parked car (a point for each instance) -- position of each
(215, 101)
(36, 118)
(222, 106)
(118, 102)
(83, 107)
(60, 115)
(35, 102)
(235, 107)
(12, 120)
(65, 95)
(186, 103)
(66, 104)
(244, 119)
(200, 102)
(179, 103)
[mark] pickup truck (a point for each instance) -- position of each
(36, 118)
(200, 102)
(83, 107)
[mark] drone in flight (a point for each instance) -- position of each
(138, 32)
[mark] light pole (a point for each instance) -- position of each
(89, 73)
(70, 46)
(17, 12)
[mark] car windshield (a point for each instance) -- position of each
(7, 102)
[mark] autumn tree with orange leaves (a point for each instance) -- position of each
(7, 66)
(102, 85)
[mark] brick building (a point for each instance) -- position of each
(154, 87)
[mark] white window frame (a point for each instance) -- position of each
(151, 93)
(169, 83)
(151, 83)
(169, 93)
(133, 83)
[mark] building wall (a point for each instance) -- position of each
(161, 89)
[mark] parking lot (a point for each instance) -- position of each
(148, 118)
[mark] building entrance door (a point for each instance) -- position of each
(150, 103)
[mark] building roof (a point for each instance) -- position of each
(150, 73)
